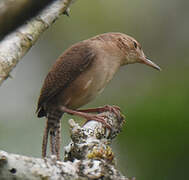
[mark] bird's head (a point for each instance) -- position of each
(132, 51)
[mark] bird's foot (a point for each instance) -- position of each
(114, 109)
(98, 118)
(88, 116)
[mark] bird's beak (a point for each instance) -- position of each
(150, 63)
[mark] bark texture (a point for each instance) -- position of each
(15, 45)
(13, 13)
(88, 156)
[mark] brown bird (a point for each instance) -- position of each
(79, 75)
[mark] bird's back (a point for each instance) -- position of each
(66, 68)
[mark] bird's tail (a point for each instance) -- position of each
(53, 127)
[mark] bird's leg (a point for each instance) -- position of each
(87, 116)
(45, 140)
(114, 109)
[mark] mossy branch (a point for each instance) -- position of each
(88, 156)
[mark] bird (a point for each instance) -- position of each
(79, 75)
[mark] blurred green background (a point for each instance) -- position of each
(154, 141)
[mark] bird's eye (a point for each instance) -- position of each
(135, 44)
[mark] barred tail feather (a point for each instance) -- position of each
(53, 119)
(53, 125)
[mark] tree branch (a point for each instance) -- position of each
(15, 13)
(88, 156)
(16, 45)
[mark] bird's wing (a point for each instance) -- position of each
(68, 66)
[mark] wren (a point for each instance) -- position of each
(79, 75)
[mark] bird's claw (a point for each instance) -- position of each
(66, 12)
(114, 109)
(98, 118)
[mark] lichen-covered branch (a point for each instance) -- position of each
(14, 46)
(88, 156)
